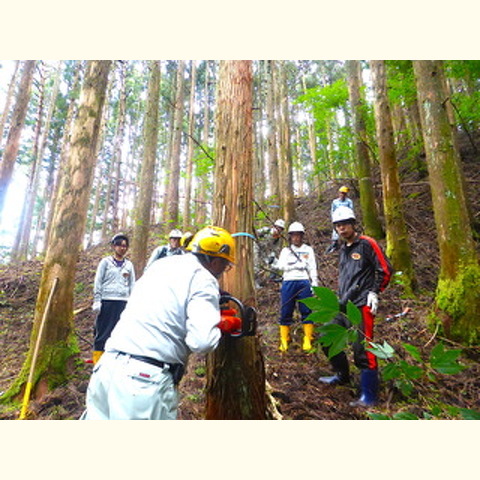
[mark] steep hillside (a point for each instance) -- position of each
(293, 376)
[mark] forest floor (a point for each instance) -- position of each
(292, 377)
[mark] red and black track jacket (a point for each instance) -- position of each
(363, 268)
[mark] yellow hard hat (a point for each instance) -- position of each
(215, 242)
(344, 189)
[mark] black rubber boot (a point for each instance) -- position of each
(340, 366)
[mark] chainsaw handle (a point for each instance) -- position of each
(247, 314)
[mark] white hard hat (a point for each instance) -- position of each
(175, 234)
(296, 227)
(342, 214)
(280, 223)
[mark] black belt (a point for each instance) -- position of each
(150, 360)
(176, 369)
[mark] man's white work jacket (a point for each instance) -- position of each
(172, 311)
(298, 263)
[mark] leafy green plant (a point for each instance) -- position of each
(325, 307)
(404, 369)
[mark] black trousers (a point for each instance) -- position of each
(106, 320)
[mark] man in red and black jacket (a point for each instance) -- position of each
(364, 272)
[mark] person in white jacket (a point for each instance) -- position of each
(173, 310)
(297, 261)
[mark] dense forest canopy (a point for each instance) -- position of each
(320, 129)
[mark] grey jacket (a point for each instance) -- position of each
(113, 282)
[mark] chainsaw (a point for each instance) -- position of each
(247, 314)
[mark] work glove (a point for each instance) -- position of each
(96, 306)
(372, 302)
(229, 322)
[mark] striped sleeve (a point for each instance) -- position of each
(383, 268)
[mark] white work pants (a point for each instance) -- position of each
(122, 388)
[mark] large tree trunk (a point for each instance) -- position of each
(273, 174)
(312, 141)
(109, 176)
(259, 184)
(66, 143)
(235, 370)
(16, 126)
(458, 295)
(187, 221)
(118, 143)
(398, 248)
(201, 195)
(145, 195)
(173, 186)
(8, 99)
(32, 192)
(371, 221)
(34, 176)
(285, 149)
(58, 342)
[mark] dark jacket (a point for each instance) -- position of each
(363, 268)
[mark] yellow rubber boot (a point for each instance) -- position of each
(284, 337)
(307, 337)
(96, 355)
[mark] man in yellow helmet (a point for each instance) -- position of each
(172, 311)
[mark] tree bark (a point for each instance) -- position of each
(16, 126)
(66, 143)
(8, 99)
(370, 217)
(285, 149)
(32, 193)
(458, 295)
(235, 370)
(118, 143)
(58, 343)
(173, 186)
(147, 175)
(398, 248)
(191, 130)
(274, 179)
(201, 195)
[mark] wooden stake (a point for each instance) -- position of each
(28, 389)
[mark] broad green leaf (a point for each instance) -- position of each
(413, 351)
(352, 335)
(381, 351)
(445, 361)
(313, 303)
(378, 416)
(405, 416)
(435, 411)
(333, 336)
(321, 316)
(327, 296)
(391, 371)
(410, 371)
(468, 414)
(324, 304)
(353, 313)
(405, 386)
